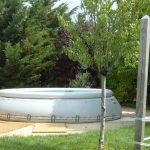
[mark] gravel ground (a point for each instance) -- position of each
(128, 119)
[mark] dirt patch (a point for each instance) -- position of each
(6, 126)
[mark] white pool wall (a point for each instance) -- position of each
(42, 106)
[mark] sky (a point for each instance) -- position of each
(74, 3)
(71, 3)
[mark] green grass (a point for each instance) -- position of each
(118, 139)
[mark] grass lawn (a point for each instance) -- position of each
(118, 139)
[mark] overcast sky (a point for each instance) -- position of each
(71, 3)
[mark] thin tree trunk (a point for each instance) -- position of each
(103, 112)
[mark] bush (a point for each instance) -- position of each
(82, 80)
(123, 84)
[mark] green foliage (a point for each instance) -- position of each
(23, 69)
(123, 84)
(82, 80)
(124, 76)
(106, 37)
(12, 19)
(27, 42)
(102, 39)
(9, 73)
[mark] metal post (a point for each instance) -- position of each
(142, 83)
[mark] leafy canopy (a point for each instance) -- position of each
(100, 37)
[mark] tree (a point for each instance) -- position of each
(28, 46)
(45, 17)
(103, 36)
(124, 87)
(12, 18)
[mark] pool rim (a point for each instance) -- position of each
(67, 93)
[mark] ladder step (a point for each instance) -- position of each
(147, 119)
(146, 145)
(147, 138)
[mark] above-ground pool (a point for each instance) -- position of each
(56, 105)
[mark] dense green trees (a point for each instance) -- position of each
(29, 47)
(12, 17)
(123, 77)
